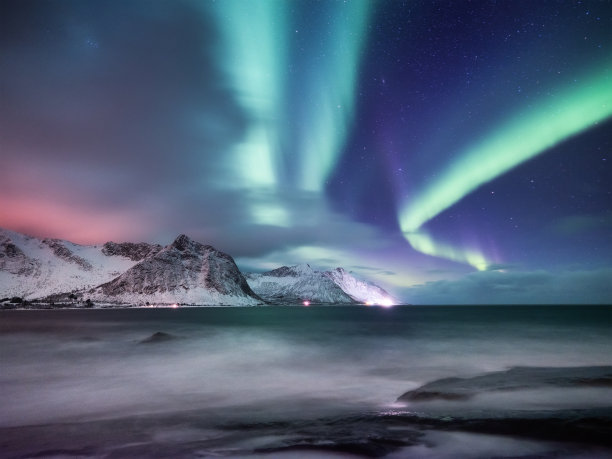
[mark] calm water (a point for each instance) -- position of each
(304, 382)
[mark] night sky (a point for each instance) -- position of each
(453, 152)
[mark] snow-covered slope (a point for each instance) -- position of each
(359, 290)
(182, 272)
(34, 268)
(297, 284)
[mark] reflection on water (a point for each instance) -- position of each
(280, 381)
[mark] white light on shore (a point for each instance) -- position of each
(386, 303)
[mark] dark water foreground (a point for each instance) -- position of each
(416, 382)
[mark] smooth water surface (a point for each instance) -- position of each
(279, 381)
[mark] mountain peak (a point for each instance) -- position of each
(182, 242)
(298, 283)
(291, 271)
(302, 268)
(185, 271)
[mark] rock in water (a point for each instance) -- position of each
(513, 379)
(158, 337)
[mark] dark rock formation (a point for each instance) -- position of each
(158, 337)
(63, 252)
(13, 260)
(134, 251)
(184, 271)
(515, 378)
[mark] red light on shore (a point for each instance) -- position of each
(306, 303)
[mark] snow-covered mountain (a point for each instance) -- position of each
(34, 268)
(185, 271)
(300, 283)
(135, 273)
(359, 290)
(182, 272)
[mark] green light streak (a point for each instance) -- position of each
(424, 243)
(331, 95)
(528, 134)
(282, 152)
(254, 56)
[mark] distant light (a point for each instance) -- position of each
(306, 303)
(369, 303)
(387, 303)
(175, 305)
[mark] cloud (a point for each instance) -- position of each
(115, 105)
(578, 224)
(148, 89)
(516, 287)
(501, 267)
(384, 272)
(120, 122)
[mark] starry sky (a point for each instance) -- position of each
(450, 151)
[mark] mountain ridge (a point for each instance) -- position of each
(182, 272)
(35, 268)
(301, 283)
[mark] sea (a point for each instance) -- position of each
(301, 382)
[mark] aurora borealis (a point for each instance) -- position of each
(528, 134)
(295, 135)
(450, 151)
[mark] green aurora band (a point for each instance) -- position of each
(528, 134)
(253, 54)
(292, 144)
(327, 100)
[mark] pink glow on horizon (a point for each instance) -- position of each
(46, 218)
